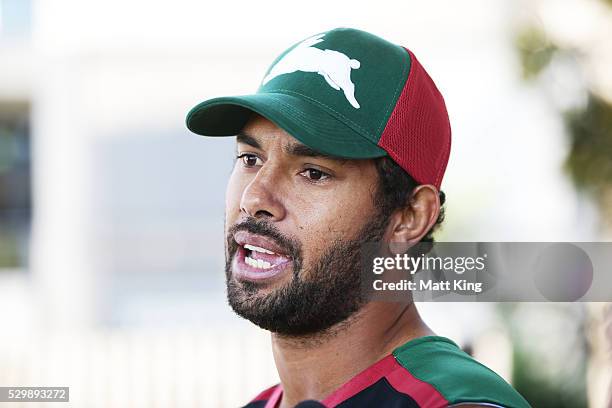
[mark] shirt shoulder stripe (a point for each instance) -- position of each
(425, 394)
(455, 374)
(397, 376)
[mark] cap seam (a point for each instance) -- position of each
(340, 116)
(393, 102)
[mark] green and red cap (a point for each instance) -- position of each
(345, 93)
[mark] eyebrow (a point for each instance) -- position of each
(301, 150)
(249, 140)
(292, 149)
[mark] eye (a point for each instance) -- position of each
(250, 160)
(315, 174)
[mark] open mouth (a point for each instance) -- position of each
(258, 257)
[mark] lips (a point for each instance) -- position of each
(258, 257)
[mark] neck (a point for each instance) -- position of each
(313, 367)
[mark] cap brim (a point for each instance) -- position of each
(307, 122)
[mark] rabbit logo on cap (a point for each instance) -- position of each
(335, 67)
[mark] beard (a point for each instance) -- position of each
(317, 297)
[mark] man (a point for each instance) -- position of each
(345, 142)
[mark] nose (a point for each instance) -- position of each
(261, 197)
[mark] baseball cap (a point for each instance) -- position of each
(345, 93)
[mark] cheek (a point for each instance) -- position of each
(233, 194)
(338, 217)
(341, 211)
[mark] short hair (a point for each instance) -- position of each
(395, 188)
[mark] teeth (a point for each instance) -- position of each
(258, 249)
(257, 263)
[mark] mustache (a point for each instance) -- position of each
(253, 225)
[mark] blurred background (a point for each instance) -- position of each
(111, 212)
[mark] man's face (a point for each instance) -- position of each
(295, 222)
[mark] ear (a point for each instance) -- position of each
(408, 225)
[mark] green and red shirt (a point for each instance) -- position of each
(427, 372)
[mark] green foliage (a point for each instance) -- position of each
(542, 392)
(590, 158)
(589, 162)
(535, 51)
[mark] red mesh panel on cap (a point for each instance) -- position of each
(417, 135)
